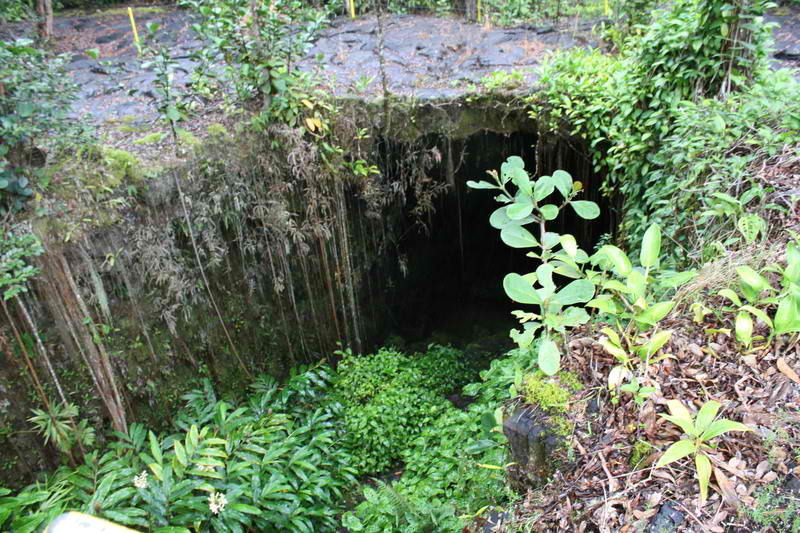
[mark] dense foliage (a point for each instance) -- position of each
(272, 463)
(35, 100)
(628, 105)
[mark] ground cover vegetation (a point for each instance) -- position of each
(664, 361)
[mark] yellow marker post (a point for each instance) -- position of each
(352, 8)
(133, 26)
(478, 11)
(606, 8)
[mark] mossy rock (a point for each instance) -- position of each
(152, 138)
(187, 138)
(640, 451)
(217, 130)
(122, 166)
(552, 393)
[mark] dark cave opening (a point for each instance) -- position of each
(447, 285)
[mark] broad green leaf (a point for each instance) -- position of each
(744, 328)
(750, 225)
(637, 283)
(680, 416)
(519, 210)
(703, 465)
(569, 244)
(543, 188)
(549, 240)
(758, 313)
(654, 313)
(722, 426)
(575, 316)
(604, 303)
(676, 452)
(651, 247)
(351, 522)
(244, 508)
(706, 415)
(730, 295)
(549, 357)
(520, 290)
(518, 237)
(578, 291)
(173, 114)
(481, 185)
(611, 334)
(499, 219)
(180, 453)
(585, 209)
(792, 271)
(617, 258)
(654, 344)
(614, 349)
(521, 179)
(563, 182)
(549, 212)
(752, 282)
(524, 338)
(155, 447)
(787, 317)
(673, 280)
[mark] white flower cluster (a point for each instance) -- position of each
(217, 502)
(205, 468)
(140, 481)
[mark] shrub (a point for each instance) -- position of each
(272, 464)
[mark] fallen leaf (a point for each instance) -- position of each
(787, 371)
(726, 488)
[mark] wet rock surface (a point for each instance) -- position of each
(425, 57)
(667, 520)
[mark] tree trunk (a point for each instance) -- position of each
(44, 9)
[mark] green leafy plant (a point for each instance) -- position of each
(385, 405)
(700, 430)
(659, 104)
(36, 95)
(559, 254)
(759, 294)
(57, 426)
(15, 267)
(272, 463)
(260, 44)
(500, 80)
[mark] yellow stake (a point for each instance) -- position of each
(478, 11)
(606, 9)
(133, 25)
(353, 9)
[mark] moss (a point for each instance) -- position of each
(153, 138)
(216, 130)
(561, 426)
(187, 138)
(551, 393)
(132, 129)
(641, 450)
(122, 165)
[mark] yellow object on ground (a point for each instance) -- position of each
(83, 523)
(133, 25)
(352, 8)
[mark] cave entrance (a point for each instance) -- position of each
(452, 266)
